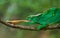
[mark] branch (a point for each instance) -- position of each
(18, 27)
(29, 27)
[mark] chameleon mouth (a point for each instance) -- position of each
(25, 20)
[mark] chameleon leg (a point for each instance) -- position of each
(41, 26)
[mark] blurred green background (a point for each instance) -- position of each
(20, 9)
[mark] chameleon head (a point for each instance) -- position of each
(32, 19)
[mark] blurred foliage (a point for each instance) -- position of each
(20, 9)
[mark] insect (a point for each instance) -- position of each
(16, 21)
(51, 16)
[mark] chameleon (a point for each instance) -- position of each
(46, 18)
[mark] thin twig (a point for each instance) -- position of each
(19, 27)
(28, 27)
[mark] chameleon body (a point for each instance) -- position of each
(51, 16)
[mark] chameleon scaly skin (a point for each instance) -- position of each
(48, 17)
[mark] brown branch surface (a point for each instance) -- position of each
(19, 27)
(28, 27)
